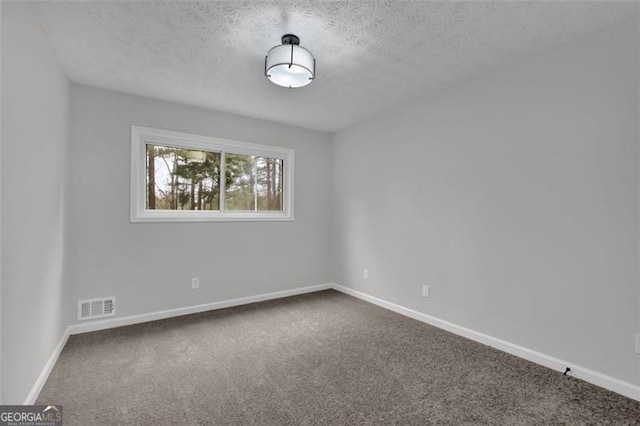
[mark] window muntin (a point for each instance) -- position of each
(177, 177)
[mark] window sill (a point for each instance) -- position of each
(199, 216)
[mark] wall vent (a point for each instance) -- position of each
(96, 308)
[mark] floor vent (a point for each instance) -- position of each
(96, 308)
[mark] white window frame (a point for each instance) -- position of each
(141, 136)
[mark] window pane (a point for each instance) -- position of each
(269, 183)
(182, 179)
(240, 182)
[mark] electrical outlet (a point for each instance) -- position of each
(195, 283)
(425, 290)
(365, 274)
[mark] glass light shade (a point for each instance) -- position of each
(284, 71)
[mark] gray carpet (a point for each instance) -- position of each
(321, 358)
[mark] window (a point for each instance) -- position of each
(177, 177)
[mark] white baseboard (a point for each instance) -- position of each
(619, 386)
(44, 374)
(152, 316)
(624, 388)
(170, 313)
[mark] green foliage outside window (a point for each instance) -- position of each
(185, 179)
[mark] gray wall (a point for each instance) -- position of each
(34, 158)
(1, 377)
(638, 174)
(148, 266)
(515, 196)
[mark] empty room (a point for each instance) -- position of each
(319, 212)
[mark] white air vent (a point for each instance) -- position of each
(96, 308)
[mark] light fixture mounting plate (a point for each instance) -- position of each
(290, 39)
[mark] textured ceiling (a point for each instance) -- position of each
(372, 56)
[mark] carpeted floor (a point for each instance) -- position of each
(320, 358)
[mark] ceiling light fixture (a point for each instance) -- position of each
(290, 65)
